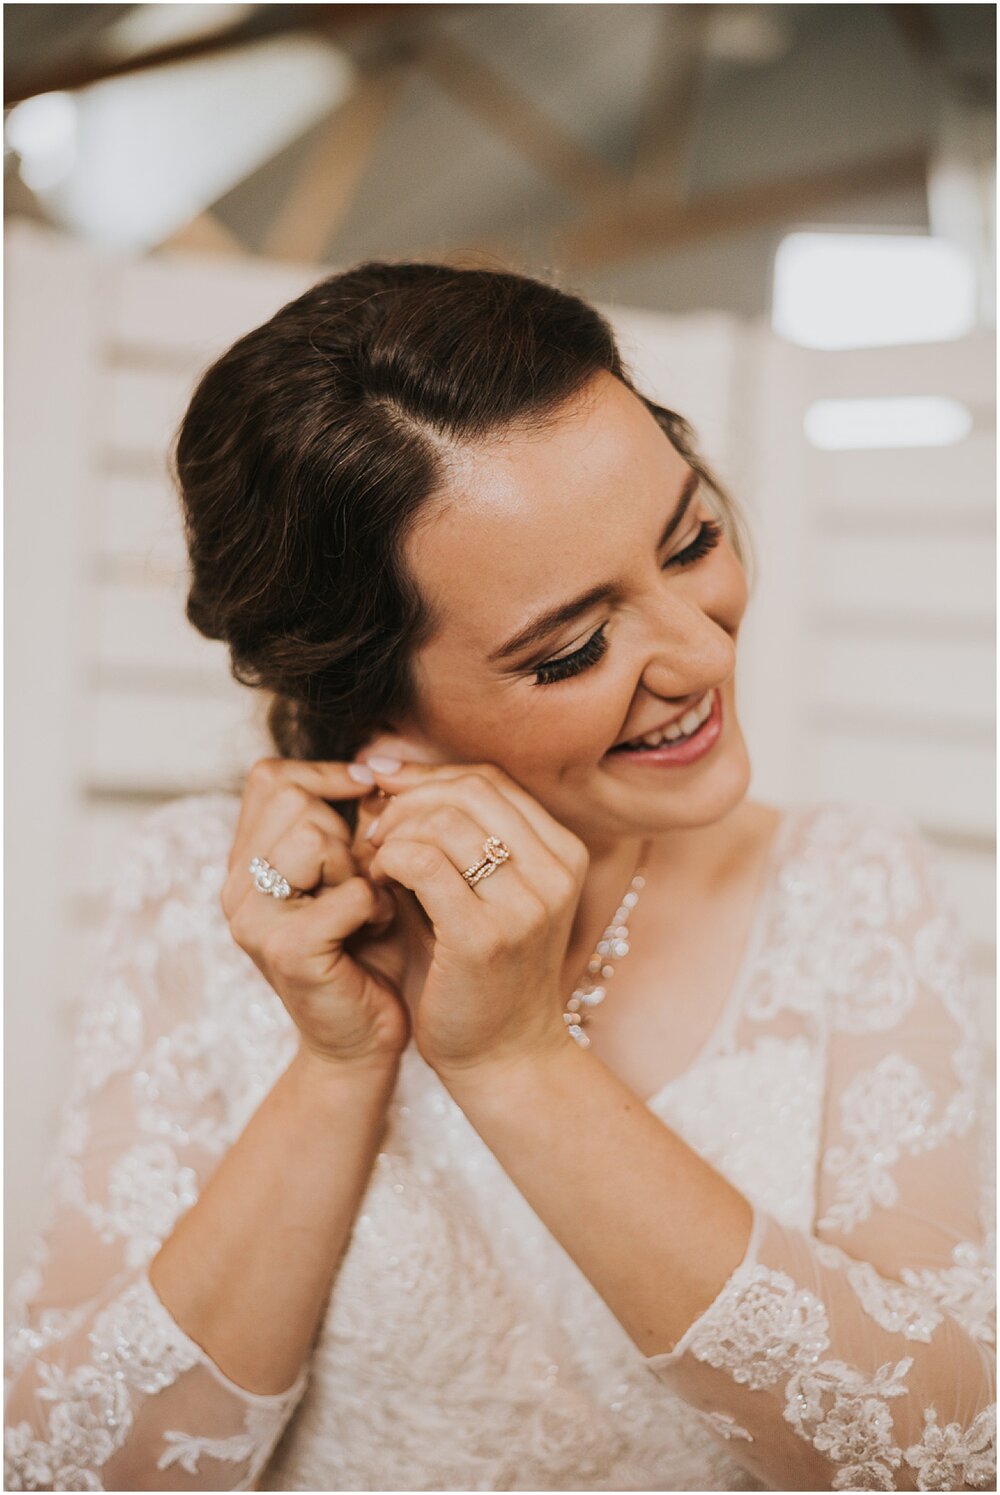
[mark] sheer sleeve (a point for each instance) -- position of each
(104, 1389)
(860, 1355)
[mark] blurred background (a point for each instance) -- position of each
(787, 211)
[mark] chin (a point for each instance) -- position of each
(701, 793)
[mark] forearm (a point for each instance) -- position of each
(633, 1205)
(247, 1271)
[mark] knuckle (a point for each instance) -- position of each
(227, 899)
(428, 860)
(491, 944)
(276, 949)
(242, 927)
(293, 798)
(446, 818)
(311, 835)
(535, 918)
(265, 772)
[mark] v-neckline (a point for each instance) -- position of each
(751, 953)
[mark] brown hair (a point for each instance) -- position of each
(311, 445)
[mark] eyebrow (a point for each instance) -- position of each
(540, 627)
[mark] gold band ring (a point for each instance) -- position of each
(494, 852)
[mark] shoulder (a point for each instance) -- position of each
(172, 849)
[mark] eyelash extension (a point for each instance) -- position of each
(596, 646)
(571, 664)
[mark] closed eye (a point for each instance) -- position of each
(596, 646)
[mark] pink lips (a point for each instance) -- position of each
(678, 753)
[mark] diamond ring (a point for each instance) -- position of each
(268, 879)
(494, 852)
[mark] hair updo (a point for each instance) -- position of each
(310, 446)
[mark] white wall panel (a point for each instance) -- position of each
(188, 307)
(139, 521)
(142, 407)
(946, 786)
(169, 743)
(954, 575)
(929, 680)
(938, 481)
(142, 627)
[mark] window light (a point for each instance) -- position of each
(841, 290)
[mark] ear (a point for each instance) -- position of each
(409, 745)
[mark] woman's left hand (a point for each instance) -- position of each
(494, 984)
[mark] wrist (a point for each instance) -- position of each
(320, 1076)
(504, 1075)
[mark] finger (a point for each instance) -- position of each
(461, 839)
(551, 832)
(455, 912)
(478, 806)
(308, 853)
(333, 914)
(276, 786)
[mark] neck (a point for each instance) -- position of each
(611, 868)
(680, 860)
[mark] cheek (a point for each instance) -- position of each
(568, 725)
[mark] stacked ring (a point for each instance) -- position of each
(494, 852)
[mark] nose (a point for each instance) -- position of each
(684, 661)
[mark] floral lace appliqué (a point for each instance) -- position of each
(949, 1457)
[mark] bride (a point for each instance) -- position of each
(489, 1095)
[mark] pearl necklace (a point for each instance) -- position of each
(613, 945)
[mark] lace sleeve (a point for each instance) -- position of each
(861, 1354)
(105, 1391)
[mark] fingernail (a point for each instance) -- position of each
(361, 772)
(372, 828)
(385, 765)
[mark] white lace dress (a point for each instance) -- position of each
(843, 1092)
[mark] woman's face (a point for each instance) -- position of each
(529, 523)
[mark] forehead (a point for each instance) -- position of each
(529, 520)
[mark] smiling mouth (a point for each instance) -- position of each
(677, 731)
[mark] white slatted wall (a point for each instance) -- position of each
(877, 606)
(866, 668)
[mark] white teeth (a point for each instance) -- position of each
(687, 724)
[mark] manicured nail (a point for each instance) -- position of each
(372, 828)
(385, 765)
(361, 772)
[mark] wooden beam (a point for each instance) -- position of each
(510, 113)
(331, 21)
(321, 195)
(206, 233)
(670, 100)
(624, 231)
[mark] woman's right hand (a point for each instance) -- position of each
(345, 1009)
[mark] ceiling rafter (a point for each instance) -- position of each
(622, 232)
(513, 115)
(668, 106)
(321, 194)
(331, 22)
